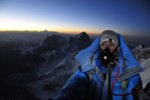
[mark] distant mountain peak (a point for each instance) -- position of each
(82, 34)
(80, 41)
(141, 46)
(45, 30)
(140, 52)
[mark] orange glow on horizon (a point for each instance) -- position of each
(59, 31)
(7, 24)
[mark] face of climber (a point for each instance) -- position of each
(108, 44)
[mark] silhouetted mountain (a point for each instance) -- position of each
(53, 56)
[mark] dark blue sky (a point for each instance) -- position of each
(93, 16)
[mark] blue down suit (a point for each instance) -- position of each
(81, 87)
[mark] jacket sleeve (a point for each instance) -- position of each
(75, 88)
(137, 91)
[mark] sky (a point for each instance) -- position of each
(129, 17)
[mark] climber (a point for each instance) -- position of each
(107, 71)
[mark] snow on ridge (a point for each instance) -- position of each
(145, 76)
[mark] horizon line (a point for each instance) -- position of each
(67, 32)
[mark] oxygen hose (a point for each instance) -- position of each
(107, 87)
(107, 90)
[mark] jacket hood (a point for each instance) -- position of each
(83, 57)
